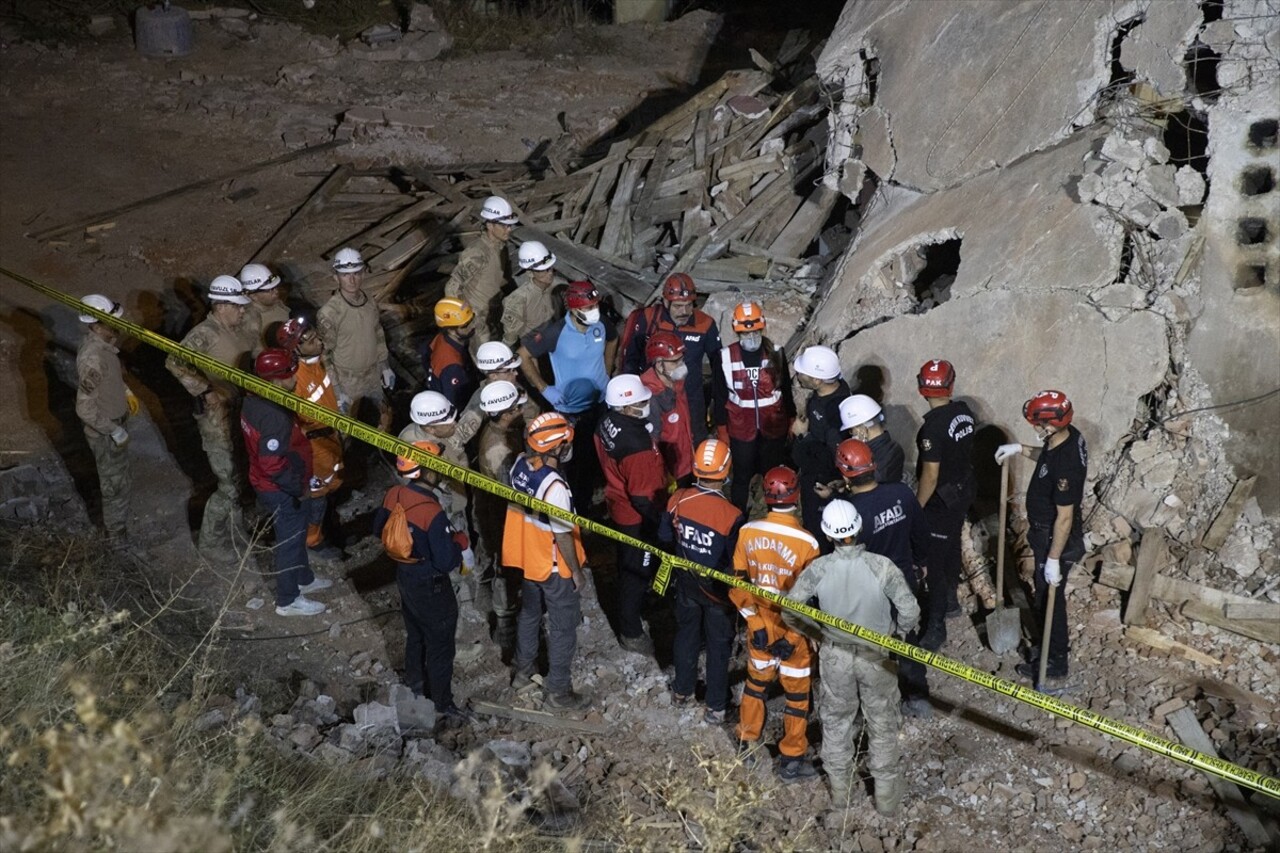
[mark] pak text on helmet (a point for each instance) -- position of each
(1048, 408)
(819, 362)
(625, 390)
(347, 261)
(535, 256)
(936, 378)
(227, 288)
(498, 209)
(841, 521)
(257, 277)
(858, 410)
(430, 407)
(103, 304)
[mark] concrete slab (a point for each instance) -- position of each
(1154, 49)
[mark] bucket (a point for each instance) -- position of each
(163, 31)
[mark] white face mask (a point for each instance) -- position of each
(567, 455)
(587, 316)
(751, 341)
(678, 373)
(643, 412)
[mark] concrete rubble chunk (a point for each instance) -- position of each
(413, 713)
(1191, 186)
(373, 715)
(1154, 48)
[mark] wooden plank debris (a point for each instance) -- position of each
(60, 230)
(1156, 640)
(316, 202)
(1185, 725)
(1201, 603)
(543, 718)
(1153, 553)
(1226, 518)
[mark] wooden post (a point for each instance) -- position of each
(1153, 554)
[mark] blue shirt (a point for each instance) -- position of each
(574, 356)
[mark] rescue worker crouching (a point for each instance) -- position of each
(701, 525)
(862, 588)
(427, 600)
(771, 553)
(550, 555)
(634, 489)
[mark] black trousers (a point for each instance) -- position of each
(430, 611)
(749, 459)
(582, 473)
(913, 677)
(635, 573)
(946, 565)
(700, 619)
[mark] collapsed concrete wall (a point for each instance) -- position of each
(1037, 175)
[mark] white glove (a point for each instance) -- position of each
(468, 559)
(1005, 452)
(553, 396)
(1052, 572)
(344, 403)
(119, 435)
(388, 378)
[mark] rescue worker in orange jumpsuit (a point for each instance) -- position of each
(299, 336)
(771, 553)
(447, 358)
(676, 314)
(669, 406)
(756, 413)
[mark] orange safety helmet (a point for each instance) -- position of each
(1048, 408)
(711, 461)
(748, 317)
(853, 457)
(663, 345)
(547, 432)
(679, 288)
(451, 313)
(410, 469)
(781, 486)
(936, 378)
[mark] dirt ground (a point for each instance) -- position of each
(96, 126)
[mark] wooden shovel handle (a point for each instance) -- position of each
(1044, 636)
(1004, 517)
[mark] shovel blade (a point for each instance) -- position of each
(1004, 629)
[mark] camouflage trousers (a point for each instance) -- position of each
(853, 677)
(222, 516)
(114, 480)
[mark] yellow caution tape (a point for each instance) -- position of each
(1129, 734)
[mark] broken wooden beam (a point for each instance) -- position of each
(555, 721)
(584, 262)
(315, 203)
(59, 230)
(1153, 552)
(1226, 518)
(1185, 725)
(1159, 641)
(804, 227)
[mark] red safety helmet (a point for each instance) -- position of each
(275, 363)
(854, 457)
(679, 288)
(581, 294)
(663, 345)
(781, 486)
(289, 333)
(711, 461)
(407, 467)
(936, 378)
(748, 317)
(1048, 408)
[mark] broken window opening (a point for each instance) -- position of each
(1257, 180)
(1201, 64)
(941, 263)
(1262, 134)
(1251, 231)
(1212, 10)
(1186, 135)
(1250, 276)
(1121, 77)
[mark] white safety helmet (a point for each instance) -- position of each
(498, 209)
(227, 288)
(102, 303)
(535, 256)
(428, 408)
(858, 410)
(348, 260)
(495, 355)
(498, 397)
(257, 277)
(625, 390)
(819, 362)
(840, 520)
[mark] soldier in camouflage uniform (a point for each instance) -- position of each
(103, 404)
(266, 310)
(355, 345)
(484, 269)
(533, 303)
(501, 441)
(217, 403)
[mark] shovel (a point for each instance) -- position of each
(1044, 638)
(1004, 624)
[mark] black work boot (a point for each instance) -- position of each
(796, 769)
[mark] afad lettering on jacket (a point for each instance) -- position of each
(696, 539)
(960, 427)
(765, 543)
(889, 516)
(609, 433)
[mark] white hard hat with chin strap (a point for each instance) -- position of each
(103, 304)
(429, 408)
(348, 261)
(227, 288)
(256, 277)
(497, 209)
(857, 411)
